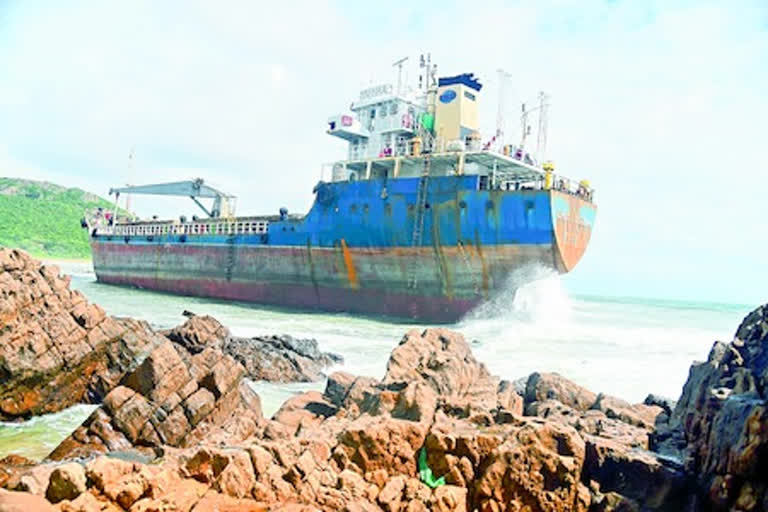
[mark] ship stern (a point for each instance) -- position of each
(573, 218)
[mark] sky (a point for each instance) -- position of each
(660, 104)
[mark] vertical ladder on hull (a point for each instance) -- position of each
(421, 206)
(230, 257)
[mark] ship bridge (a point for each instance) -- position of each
(392, 130)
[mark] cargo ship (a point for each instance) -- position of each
(423, 219)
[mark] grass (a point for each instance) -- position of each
(44, 219)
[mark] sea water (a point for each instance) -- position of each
(620, 346)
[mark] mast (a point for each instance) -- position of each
(541, 139)
(399, 65)
(525, 128)
(130, 177)
(504, 79)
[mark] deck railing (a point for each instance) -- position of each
(223, 227)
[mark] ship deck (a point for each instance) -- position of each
(503, 166)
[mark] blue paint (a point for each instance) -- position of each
(587, 214)
(357, 212)
(467, 79)
(448, 96)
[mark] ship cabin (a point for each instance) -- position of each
(391, 133)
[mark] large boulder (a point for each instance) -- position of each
(442, 361)
(272, 358)
(552, 386)
(56, 349)
(67, 482)
(280, 358)
(197, 333)
(169, 400)
(555, 398)
(719, 427)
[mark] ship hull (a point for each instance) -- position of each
(473, 242)
(370, 281)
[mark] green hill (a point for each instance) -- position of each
(44, 219)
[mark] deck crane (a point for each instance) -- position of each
(223, 204)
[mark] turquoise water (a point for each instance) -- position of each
(627, 347)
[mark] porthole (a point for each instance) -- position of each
(489, 205)
(462, 204)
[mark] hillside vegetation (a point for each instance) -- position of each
(44, 219)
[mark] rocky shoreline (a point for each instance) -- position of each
(178, 428)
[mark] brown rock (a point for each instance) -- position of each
(449, 498)
(337, 387)
(223, 376)
(229, 471)
(537, 465)
(88, 502)
(184, 495)
(215, 502)
(593, 422)
(383, 443)
(719, 426)
(392, 493)
(23, 502)
(197, 333)
(551, 386)
(237, 477)
(635, 474)
(640, 415)
(442, 360)
(361, 506)
(11, 468)
(261, 459)
(306, 410)
(105, 472)
(159, 375)
(352, 483)
(131, 416)
(280, 358)
(35, 480)
(156, 415)
(199, 405)
(57, 350)
(67, 482)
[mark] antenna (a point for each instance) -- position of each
(504, 79)
(525, 129)
(399, 65)
(427, 76)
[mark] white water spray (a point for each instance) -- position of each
(532, 294)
